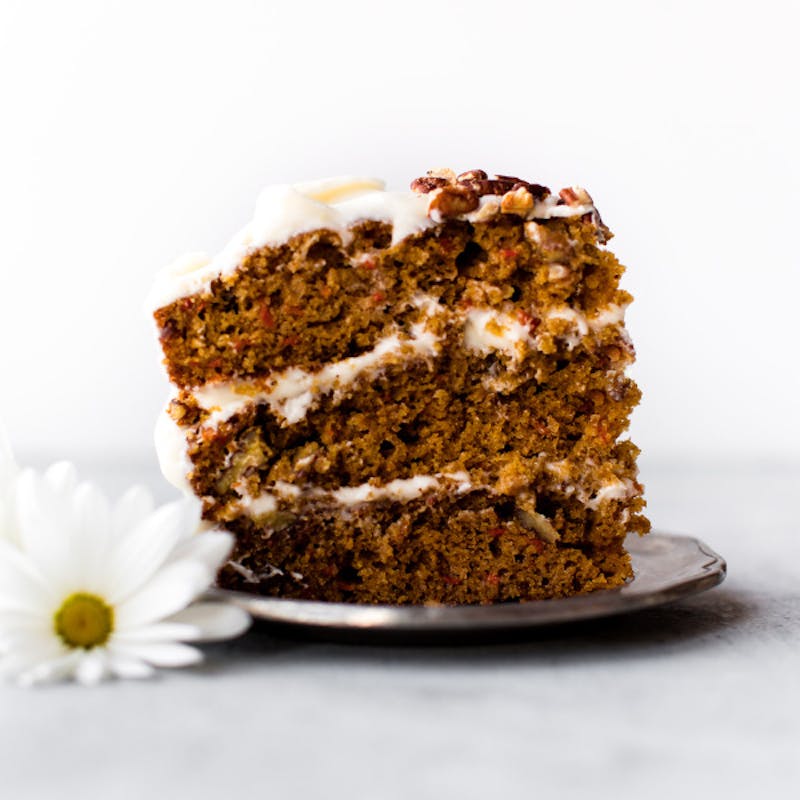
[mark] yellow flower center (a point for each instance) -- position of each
(84, 620)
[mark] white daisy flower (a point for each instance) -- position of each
(90, 591)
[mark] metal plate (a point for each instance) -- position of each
(666, 567)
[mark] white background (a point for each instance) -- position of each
(132, 132)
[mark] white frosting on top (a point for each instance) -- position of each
(286, 210)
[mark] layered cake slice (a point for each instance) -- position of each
(407, 397)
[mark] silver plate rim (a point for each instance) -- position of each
(667, 567)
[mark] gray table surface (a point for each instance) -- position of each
(701, 698)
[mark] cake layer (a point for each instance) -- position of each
(430, 550)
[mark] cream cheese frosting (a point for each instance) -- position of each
(486, 329)
(172, 452)
(401, 490)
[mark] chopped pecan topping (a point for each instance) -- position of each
(452, 195)
(479, 182)
(451, 201)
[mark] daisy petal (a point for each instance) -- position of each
(131, 509)
(210, 547)
(25, 653)
(56, 492)
(92, 668)
(62, 478)
(52, 670)
(162, 654)
(191, 508)
(22, 586)
(41, 528)
(172, 589)
(214, 621)
(90, 539)
(160, 632)
(22, 620)
(126, 666)
(135, 559)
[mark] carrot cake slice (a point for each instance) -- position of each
(407, 397)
